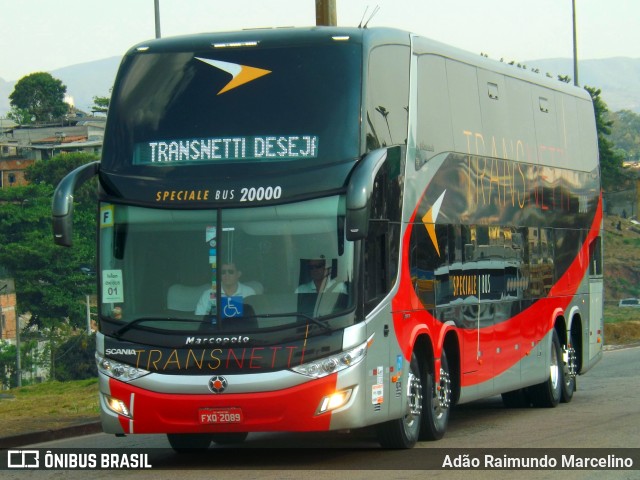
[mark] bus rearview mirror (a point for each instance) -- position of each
(62, 205)
(359, 194)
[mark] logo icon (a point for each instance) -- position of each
(217, 384)
(240, 74)
(23, 459)
(429, 221)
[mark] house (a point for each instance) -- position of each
(7, 310)
(20, 146)
(12, 171)
(47, 142)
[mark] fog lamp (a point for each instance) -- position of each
(335, 400)
(117, 406)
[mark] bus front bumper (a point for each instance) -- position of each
(130, 409)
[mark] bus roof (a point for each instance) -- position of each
(287, 36)
(272, 37)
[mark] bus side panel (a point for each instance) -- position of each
(528, 162)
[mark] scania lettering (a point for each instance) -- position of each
(316, 229)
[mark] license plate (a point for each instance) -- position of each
(220, 415)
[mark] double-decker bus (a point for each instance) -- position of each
(332, 228)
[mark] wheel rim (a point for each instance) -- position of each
(442, 398)
(554, 369)
(414, 405)
(571, 362)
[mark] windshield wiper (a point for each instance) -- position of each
(125, 328)
(134, 323)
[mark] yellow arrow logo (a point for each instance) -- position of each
(429, 221)
(240, 74)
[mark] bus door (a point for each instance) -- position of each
(596, 325)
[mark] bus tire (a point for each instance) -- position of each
(548, 393)
(437, 403)
(404, 432)
(188, 442)
(229, 438)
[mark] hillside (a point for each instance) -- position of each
(616, 77)
(621, 260)
(84, 81)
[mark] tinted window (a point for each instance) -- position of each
(302, 104)
(388, 96)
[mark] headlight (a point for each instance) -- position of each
(118, 370)
(328, 365)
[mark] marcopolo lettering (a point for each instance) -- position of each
(238, 340)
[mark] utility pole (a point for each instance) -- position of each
(326, 13)
(88, 298)
(575, 47)
(18, 360)
(156, 4)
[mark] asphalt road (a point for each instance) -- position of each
(604, 414)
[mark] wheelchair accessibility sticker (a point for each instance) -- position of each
(232, 307)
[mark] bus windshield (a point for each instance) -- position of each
(237, 269)
(235, 105)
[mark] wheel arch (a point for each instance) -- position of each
(423, 348)
(575, 335)
(560, 326)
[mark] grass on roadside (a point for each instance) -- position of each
(48, 405)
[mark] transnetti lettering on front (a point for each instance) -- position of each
(237, 358)
(197, 150)
(213, 353)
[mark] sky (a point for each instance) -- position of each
(44, 35)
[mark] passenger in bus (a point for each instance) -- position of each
(231, 287)
(321, 281)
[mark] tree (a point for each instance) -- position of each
(49, 280)
(40, 96)
(75, 358)
(625, 133)
(7, 364)
(101, 104)
(611, 169)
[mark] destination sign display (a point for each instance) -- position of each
(225, 149)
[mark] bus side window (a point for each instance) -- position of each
(595, 257)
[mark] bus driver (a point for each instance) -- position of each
(231, 287)
(321, 280)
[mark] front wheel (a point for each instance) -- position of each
(437, 403)
(229, 438)
(403, 432)
(188, 442)
(548, 393)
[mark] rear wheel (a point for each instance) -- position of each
(404, 432)
(516, 399)
(548, 393)
(187, 442)
(437, 403)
